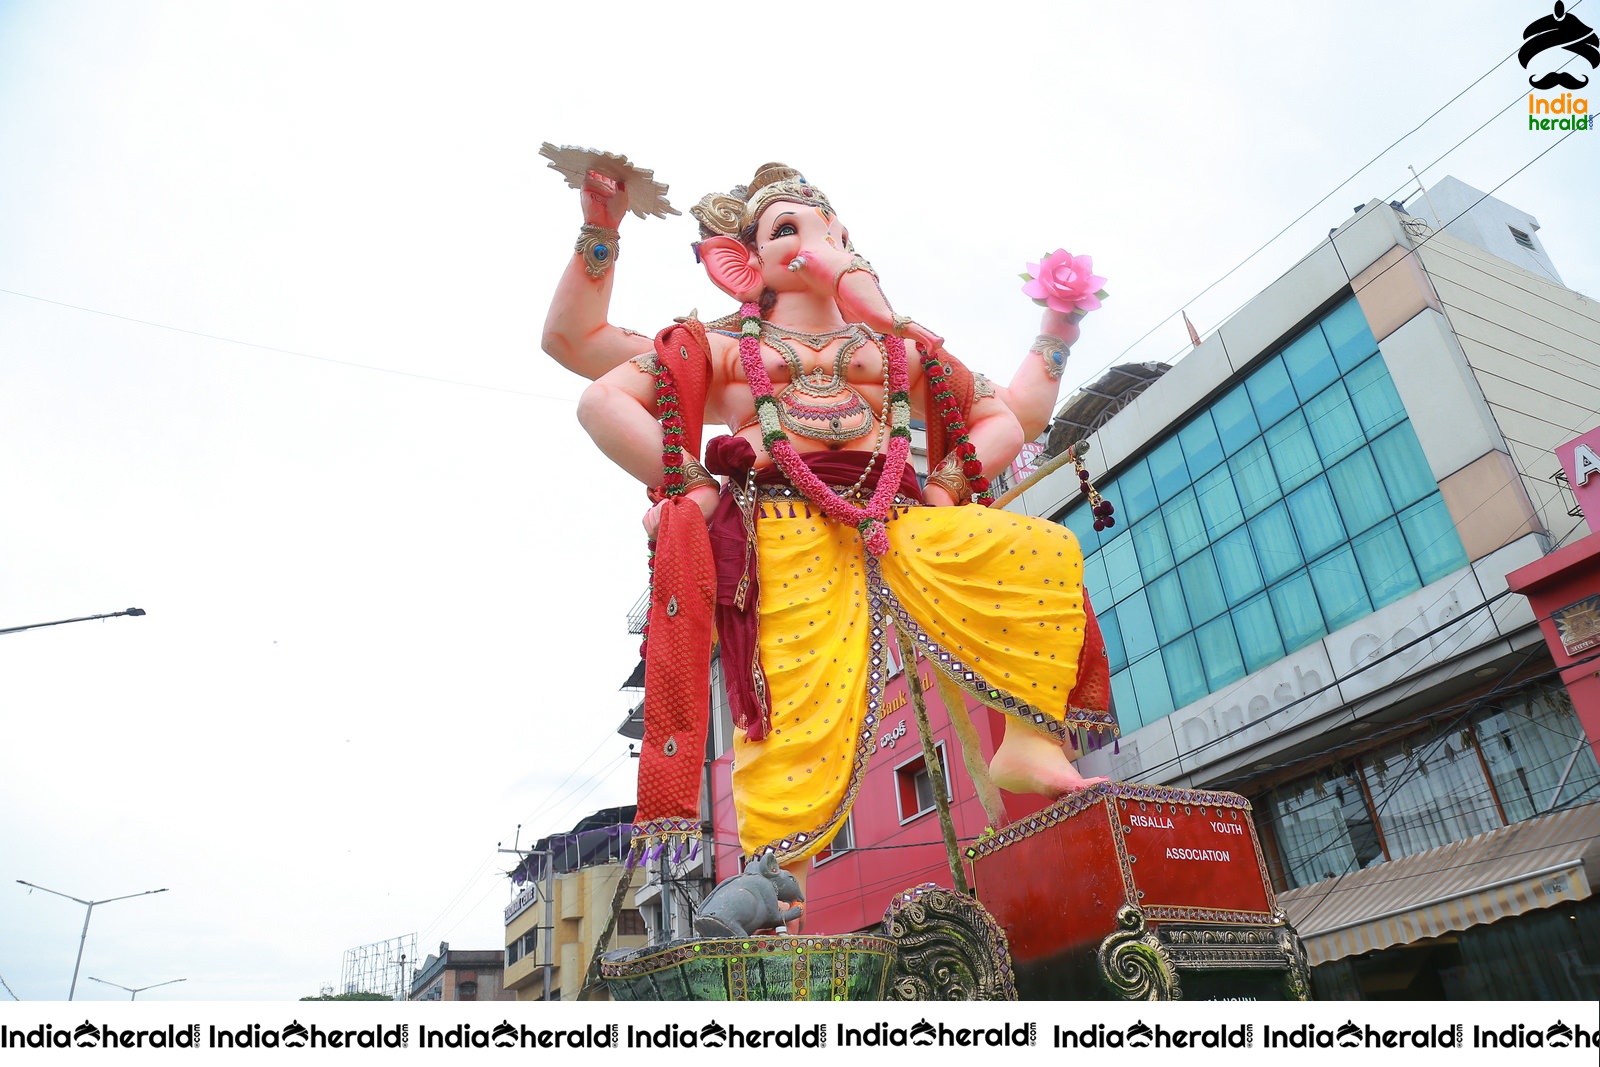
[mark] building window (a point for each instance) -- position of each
(522, 947)
(630, 923)
(1431, 788)
(1297, 503)
(914, 786)
(467, 990)
(1521, 238)
(843, 841)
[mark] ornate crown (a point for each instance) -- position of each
(731, 213)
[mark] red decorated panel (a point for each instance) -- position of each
(1056, 879)
(1193, 861)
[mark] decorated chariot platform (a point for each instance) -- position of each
(1120, 892)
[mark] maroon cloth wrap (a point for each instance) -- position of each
(735, 555)
(677, 676)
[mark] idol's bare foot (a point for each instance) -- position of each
(1030, 760)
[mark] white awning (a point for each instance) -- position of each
(1505, 872)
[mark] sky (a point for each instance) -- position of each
(272, 278)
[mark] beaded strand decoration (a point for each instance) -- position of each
(956, 427)
(1102, 509)
(868, 519)
(673, 480)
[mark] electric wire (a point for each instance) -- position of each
(1324, 198)
(1298, 218)
(279, 350)
(1466, 709)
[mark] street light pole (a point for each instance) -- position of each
(141, 989)
(81, 618)
(86, 917)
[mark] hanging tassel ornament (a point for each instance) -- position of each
(1102, 509)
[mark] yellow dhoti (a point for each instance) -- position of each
(992, 599)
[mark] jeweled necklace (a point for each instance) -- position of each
(846, 416)
(816, 382)
(868, 519)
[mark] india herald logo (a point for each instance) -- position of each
(1564, 31)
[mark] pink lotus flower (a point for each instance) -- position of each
(1064, 282)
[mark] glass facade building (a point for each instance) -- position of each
(1297, 502)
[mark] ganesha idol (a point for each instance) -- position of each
(800, 537)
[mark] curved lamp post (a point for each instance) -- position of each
(87, 916)
(141, 989)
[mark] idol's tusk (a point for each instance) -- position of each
(797, 263)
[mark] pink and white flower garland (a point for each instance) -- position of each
(868, 520)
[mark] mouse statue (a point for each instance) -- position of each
(750, 901)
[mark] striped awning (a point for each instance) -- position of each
(1505, 872)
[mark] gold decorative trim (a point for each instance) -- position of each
(1134, 962)
(950, 948)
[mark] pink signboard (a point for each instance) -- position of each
(1580, 458)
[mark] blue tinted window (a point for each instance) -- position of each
(1122, 566)
(1185, 528)
(1235, 419)
(1276, 547)
(1386, 564)
(1266, 521)
(1404, 468)
(1201, 446)
(1167, 607)
(1271, 393)
(1081, 523)
(1372, 392)
(1363, 501)
(1257, 628)
(1111, 633)
(1219, 652)
(1432, 538)
(1333, 423)
(1254, 477)
(1095, 581)
(1316, 519)
(1125, 700)
(1219, 502)
(1202, 587)
(1237, 565)
(1184, 673)
(1168, 469)
(1294, 602)
(1155, 552)
(1138, 629)
(1310, 364)
(1294, 453)
(1348, 334)
(1340, 590)
(1150, 678)
(1134, 493)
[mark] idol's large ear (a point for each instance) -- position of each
(732, 267)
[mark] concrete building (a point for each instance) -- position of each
(459, 974)
(582, 869)
(1305, 598)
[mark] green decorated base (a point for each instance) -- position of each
(782, 968)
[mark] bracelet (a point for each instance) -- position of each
(1054, 352)
(900, 324)
(695, 476)
(949, 477)
(598, 247)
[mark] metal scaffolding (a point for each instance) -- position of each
(382, 967)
